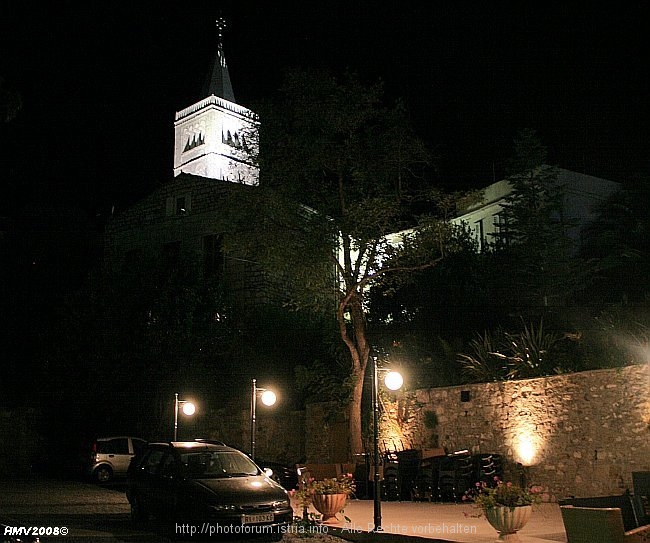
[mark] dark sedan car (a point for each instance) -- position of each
(210, 488)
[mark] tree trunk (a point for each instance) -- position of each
(354, 420)
(359, 351)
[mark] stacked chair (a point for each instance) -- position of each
(409, 474)
(455, 476)
(488, 466)
(425, 483)
(407, 471)
(390, 484)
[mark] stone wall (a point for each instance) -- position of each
(279, 437)
(578, 434)
(326, 432)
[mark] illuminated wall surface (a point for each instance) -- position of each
(578, 434)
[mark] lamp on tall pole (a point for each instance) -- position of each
(188, 408)
(268, 398)
(393, 381)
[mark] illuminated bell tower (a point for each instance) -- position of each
(215, 137)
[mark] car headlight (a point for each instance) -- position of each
(280, 503)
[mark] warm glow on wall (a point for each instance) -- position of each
(528, 428)
(392, 438)
(526, 448)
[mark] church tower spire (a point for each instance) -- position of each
(216, 137)
(218, 80)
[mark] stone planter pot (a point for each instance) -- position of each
(329, 504)
(508, 520)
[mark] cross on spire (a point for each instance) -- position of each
(221, 26)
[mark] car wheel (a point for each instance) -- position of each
(103, 474)
(138, 510)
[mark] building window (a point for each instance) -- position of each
(213, 257)
(501, 227)
(178, 205)
(194, 141)
(480, 233)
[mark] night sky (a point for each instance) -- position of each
(101, 82)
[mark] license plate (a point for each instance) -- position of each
(257, 519)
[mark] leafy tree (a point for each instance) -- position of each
(617, 246)
(423, 321)
(340, 173)
(616, 300)
(536, 257)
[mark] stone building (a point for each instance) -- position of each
(214, 140)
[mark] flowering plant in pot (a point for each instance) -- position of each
(506, 506)
(504, 494)
(327, 495)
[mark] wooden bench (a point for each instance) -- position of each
(632, 518)
(599, 525)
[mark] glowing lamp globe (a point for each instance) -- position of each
(268, 397)
(189, 408)
(393, 380)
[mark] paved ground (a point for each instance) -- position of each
(86, 512)
(445, 522)
(101, 513)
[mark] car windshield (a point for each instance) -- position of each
(213, 464)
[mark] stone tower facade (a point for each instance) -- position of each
(216, 137)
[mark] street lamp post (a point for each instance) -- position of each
(393, 381)
(268, 397)
(188, 408)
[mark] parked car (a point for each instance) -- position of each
(110, 457)
(207, 484)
